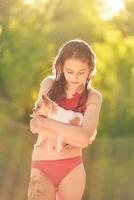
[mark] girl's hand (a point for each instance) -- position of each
(67, 146)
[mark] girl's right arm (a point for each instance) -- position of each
(45, 86)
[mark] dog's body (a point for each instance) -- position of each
(50, 109)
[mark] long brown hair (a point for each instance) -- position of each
(76, 49)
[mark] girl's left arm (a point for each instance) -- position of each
(84, 133)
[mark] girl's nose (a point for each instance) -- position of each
(75, 78)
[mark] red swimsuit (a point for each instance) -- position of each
(56, 170)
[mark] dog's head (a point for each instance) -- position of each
(44, 106)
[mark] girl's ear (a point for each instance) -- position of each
(89, 76)
(45, 99)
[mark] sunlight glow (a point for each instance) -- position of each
(29, 1)
(116, 5)
(32, 2)
(111, 7)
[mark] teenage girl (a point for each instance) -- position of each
(62, 176)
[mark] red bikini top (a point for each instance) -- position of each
(71, 103)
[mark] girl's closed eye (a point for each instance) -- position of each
(72, 72)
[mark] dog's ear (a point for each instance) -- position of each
(45, 98)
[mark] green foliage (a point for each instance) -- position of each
(114, 78)
(30, 38)
(123, 21)
(109, 165)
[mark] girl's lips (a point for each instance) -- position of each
(75, 82)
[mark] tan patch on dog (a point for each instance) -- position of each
(54, 108)
(46, 100)
(49, 103)
(75, 121)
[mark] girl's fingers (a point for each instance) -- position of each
(32, 115)
(67, 146)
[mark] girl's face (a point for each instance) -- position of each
(76, 72)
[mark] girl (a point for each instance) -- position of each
(56, 175)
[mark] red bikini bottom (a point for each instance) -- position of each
(56, 170)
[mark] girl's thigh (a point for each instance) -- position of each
(72, 185)
(40, 187)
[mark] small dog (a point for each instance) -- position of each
(48, 108)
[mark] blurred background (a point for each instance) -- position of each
(31, 32)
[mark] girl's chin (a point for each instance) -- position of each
(75, 86)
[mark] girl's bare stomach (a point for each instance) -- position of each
(47, 151)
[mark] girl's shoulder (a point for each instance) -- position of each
(94, 91)
(47, 80)
(46, 84)
(94, 96)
